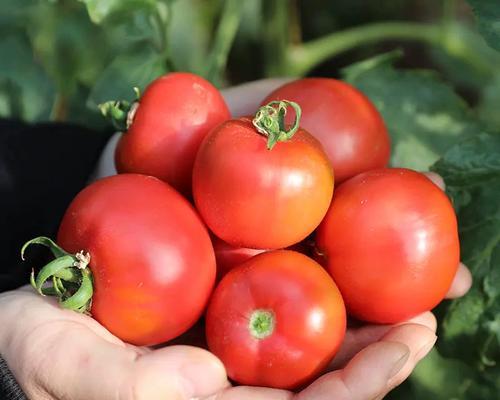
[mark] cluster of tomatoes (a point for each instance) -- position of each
(202, 201)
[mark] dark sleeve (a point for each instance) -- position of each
(9, 388)
(42, 167)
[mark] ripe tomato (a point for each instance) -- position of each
(276, 320)
(151, 258)
(346, 123)
(228, 257)
(174, 114)
(250, 196)
(390, 242)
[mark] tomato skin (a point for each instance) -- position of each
(228, 257)
(152, 261)
(310, 320)
(253, 197)
(390, 242)
(343, 119)
(175, 113)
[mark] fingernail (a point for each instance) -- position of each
(425, 349)
(398, 364)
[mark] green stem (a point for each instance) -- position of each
(121, 112)
(270, 121)
(68, 276)
(449, 11)
(302, 58)
(59, 110)
(224, 37)
(162, 17)
(275, 36)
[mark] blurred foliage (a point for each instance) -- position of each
(488, 15)
(439, 95)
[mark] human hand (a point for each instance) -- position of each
(59, 354)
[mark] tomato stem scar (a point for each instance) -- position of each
(262, 323)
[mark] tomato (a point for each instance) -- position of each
(151, 258)
(174, 114)
(390, 242)
(253, 197)
(345, 122)
(228, 257)
(276, 320)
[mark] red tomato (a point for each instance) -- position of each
(229, 257)
(277, 320)
(250, 196)
(390, 242)
(152, 261)
(175, 113)
(346, 123)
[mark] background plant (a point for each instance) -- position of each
(431, 67)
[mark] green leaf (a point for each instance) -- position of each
(471, 327)
(25, 90)
(99, 10)
(423, 114)
(70, 48)
(487, 13)
(440, 378)
(489, 104)
(126, 71)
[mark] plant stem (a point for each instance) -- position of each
(59, 107)
(162, 17)
(302, 58)
(224, 37)
(275, 36)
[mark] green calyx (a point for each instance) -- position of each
(121, 112)
(67, 277)
(270, 121)
(262, 323)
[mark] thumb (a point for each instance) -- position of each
(59, 354)
(109, 371)
(176, 372)
(127, 373)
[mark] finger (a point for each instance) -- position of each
(245, 99)
(40, 331)
(364, 378)
(461, 283)
(436, 179)
(419, 340)
(176, 372)
(357, 339)
(376, 369)
(106, 164)
(252, 393)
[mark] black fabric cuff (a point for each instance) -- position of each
(9, 388)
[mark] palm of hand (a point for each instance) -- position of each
(59, 354)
